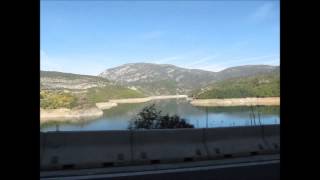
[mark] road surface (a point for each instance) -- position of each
(259, 170)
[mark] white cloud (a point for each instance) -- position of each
(250, 59)
(167, 59)
(263, 12)
(213, 67)
(202, 60)
(152, 35)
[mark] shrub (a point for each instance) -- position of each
(151, 118)
(53, 100)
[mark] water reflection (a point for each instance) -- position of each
(118, 117)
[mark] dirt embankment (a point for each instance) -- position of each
(64, 114)
(268, 101)
(146, 99)
(106, 105)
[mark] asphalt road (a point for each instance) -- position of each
(250, 171)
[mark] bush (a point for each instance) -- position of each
(53, 100)
(173, 122)
(151, 118)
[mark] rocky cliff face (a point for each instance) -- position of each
(146, 72)
(58, 80)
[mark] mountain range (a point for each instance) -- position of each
(164, 79)
(150, 79)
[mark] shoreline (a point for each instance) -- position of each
(74, 115)
(146, 99)
(250, 101)
(114, 102)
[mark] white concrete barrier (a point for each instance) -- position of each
(238, 141)
(271, 135)
(168, 145)
(63, 150)
(86, 149)
(42, 147)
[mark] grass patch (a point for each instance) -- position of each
(102, 94)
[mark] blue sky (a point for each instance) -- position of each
(87, 37)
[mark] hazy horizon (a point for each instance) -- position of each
(85, 37)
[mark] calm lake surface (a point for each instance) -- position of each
(117, 118)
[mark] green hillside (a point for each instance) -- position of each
(161, 87)
(264, 85)
(102, 94)
(163, 79)
(66, 90)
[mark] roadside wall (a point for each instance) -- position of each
(72, 150)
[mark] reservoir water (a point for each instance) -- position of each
(117, 118)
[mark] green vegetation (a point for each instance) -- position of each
(163, 87)
(102, 94)
(66, 90)
(164, 79)
(265, 85)
(53, 99)
(55, 84)
(57, 99)
(151, 118)
(57, 123)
